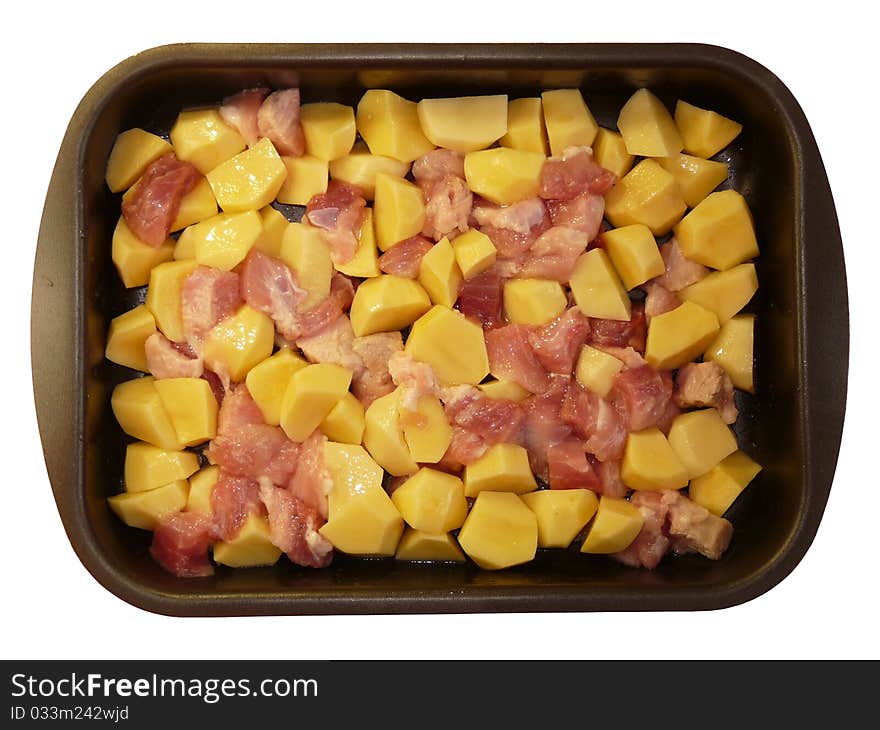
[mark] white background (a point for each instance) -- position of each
(54, 609)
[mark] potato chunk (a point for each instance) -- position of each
(464, 123)
(239, 342)
(365, 262)
(424, 546)
(398, 210)
(439, 273)
(310, 396)
(718, 488)
(390, 126)
(500, 531)
(733, 350)
(148, 467)
(251, 547)
(650, 463)
(634, 253)
(352, 470)
(267, 382)
(609, 150)
(503, 468)
(133, 152)
(677, 337)
(197, 205)
(387, 303)
(431, 501)
(126, 337)
(474, 253)
(201, 486)
(695, 176)
(202, 138)
(138, 409)
(164, 296)
(383, 436)
(274, 226)
(345, 423)
(597, 288)
(561, 513)
(596, 370)
(724, 292)
(504, 175)
(192, 407)
(426, 431)
(704, 132)
(451, 344)
(568, 119)
(718, 232)
(701, 440)
(145, 509)
(134, 259)
(306, 176)
(303, 249)
(525, 127)
(224, 240)
(616, 525)
(647, 127)
(533, 301)
(646, 194)
(504, 390)
(360, 167)
(329, 129)
(250, 180)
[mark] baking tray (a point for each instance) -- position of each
(792, 425)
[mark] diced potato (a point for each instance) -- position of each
(192, 407)
(677, 337)
(431, 501)
(133, 258)
(267, 382)
(250, 180)
(474, 253)
(239, 342)
(185, 249)
(365, 262)
(306, 176)
(504, 175)
(695, 176)
(149, 467)
(224, 240)
(303, 249)
(383, 436)
(533, 301)
(201, 486)
(718, 488)
(596, 370)
(133, 152)
(386, 303)
(464, 123)
(561, 513)
(197, 205)
(145, 509)
(345, 422)
(439, 273)
(310, 396)
(616, 525)
(329, 129)
(718, 232)
(504, 390)
(701, 440)
(423, 546)
(704, 132)
(650, 463)
(525, 127)
(398, 210)
(359, 167)
(569, 121)
(646, 194)
(201, 137)
(451, 344)
(274, 226)
(597, 288)
(503, 468)
(140, 413)
(647, 127)
(126, 337)
(251, 547)
(733, 350)
(724, 292)
(634, 253)
(390, 126)
(609, 150)
(164, 296)
(426, 431)
(500, 531)
(352, 471)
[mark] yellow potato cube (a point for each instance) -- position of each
(451, 344)
(503, 468)
(718, 488)
(329, 129)
(274, 226)
(365, 262)
(569, 121)
(695, 176)
(310, 396)
(533, 301)
(185, 249)
(733, 350)
(345, 423)
(597, 288)
(525, 127)
(390, 126)
(677, 337)
(609, 150)
(561, 514)
(504, 390)
(303, 249)
(224, 240)
(701, 440)
(140, 413)
(267, 382)
(500, 531)
(724, 292)
(164, 296)
(398, 210)
(704, 132)
(383, 436)
(133, 152)
(616, 525)
(126, 337)
(148, 467)
(251, 547)
(201, 137)
(197, 205)
(386, 303)
(464, 123)
(718, 232)
(634, 253)
(133, 258)
(145, 509)
(191, 405)
(474, 253)
(250, 180)
(419, 546)
(352, 471)
(306, 176)
(650, 463)
(360, 167)
(504, 175)
(426, 431)
(431, 501)
(439, 273)
(201, 487)
(239, 342)
(647, 127)
(646, 194)
(596, 370)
